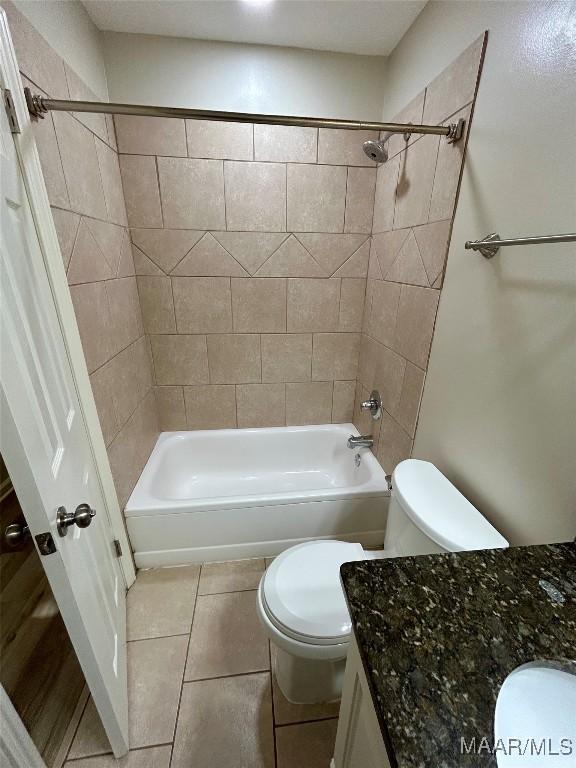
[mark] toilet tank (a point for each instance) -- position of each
(428, 514)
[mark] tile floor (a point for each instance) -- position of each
(201, 694)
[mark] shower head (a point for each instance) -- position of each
(376, 151)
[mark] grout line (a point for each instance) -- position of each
(305, 722)
(227, 676)
(272, 703)
(159, 189)
(184, 669)
(224, 195)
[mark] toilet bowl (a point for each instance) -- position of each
(300, 601)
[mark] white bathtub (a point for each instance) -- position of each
(236, 493)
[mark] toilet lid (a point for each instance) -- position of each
(302, 593)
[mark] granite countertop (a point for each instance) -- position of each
(438, 634)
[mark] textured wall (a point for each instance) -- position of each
(251, 247)
(80, 165)
(415, 199)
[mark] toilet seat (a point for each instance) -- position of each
(301, 594)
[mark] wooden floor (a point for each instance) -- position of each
(38, 667)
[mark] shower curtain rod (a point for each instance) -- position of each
(39, 105)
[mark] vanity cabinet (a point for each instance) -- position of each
(359, 742)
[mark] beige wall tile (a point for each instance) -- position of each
(388, 376)
(131, 377)
(111, 183)
(143, 266)
(94, 322)
(255, 196)
(309, 403)
(335, 356)
(447, 175)
(316, 198)
(150, 135)
(385, 195)
(166, 247)
(343, 402)
(66, 224)
(111, 132)
(384, 311)
(412, 113)
(291, 260)
(360, 200)
(259, 305)
(242, 648)
(234, 358)
(180, 359)
(125, 313)
(352, 296)
(79, 91)
(432, 242)
(261, 405)
(285, 144)
(131, 448)
(387, 246)
(80, 164)
(455, 86)
(287, 357)
(192, 193)
(202, 304)
(102, 382)
(367, 361)
(210, 407)
(357, 264)
(209, 258)
(111, 240)
(126, 260)
(219, 140)
(49, 153)
(315, 740)
(88, 263)
(313, 305)
(244, 704)
(331, 251)
(36, 58)
(415, 180)
(408, 266)
(157, 304)
(141, 195)
(394, 444)
(415, 323)
(251, 249)
(406, 412)
(342, 147)
(160, 603)
(154, 681)
(171, 409)
(230, 576)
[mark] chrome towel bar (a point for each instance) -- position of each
(491, 244)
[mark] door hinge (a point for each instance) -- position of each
(117, 548)
(11, 112)
(45, 543)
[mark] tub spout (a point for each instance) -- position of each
(360, 441)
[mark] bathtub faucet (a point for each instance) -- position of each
(360, 441)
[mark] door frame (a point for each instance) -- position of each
(46, 233)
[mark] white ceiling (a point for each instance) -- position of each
(371, 27)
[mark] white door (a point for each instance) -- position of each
(43, 440)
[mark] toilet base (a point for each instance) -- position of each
(308, 681)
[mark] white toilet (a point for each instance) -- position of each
(300, 600)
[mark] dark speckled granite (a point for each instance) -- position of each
(439, 633)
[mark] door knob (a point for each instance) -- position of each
(82, 517)
(16, 534)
